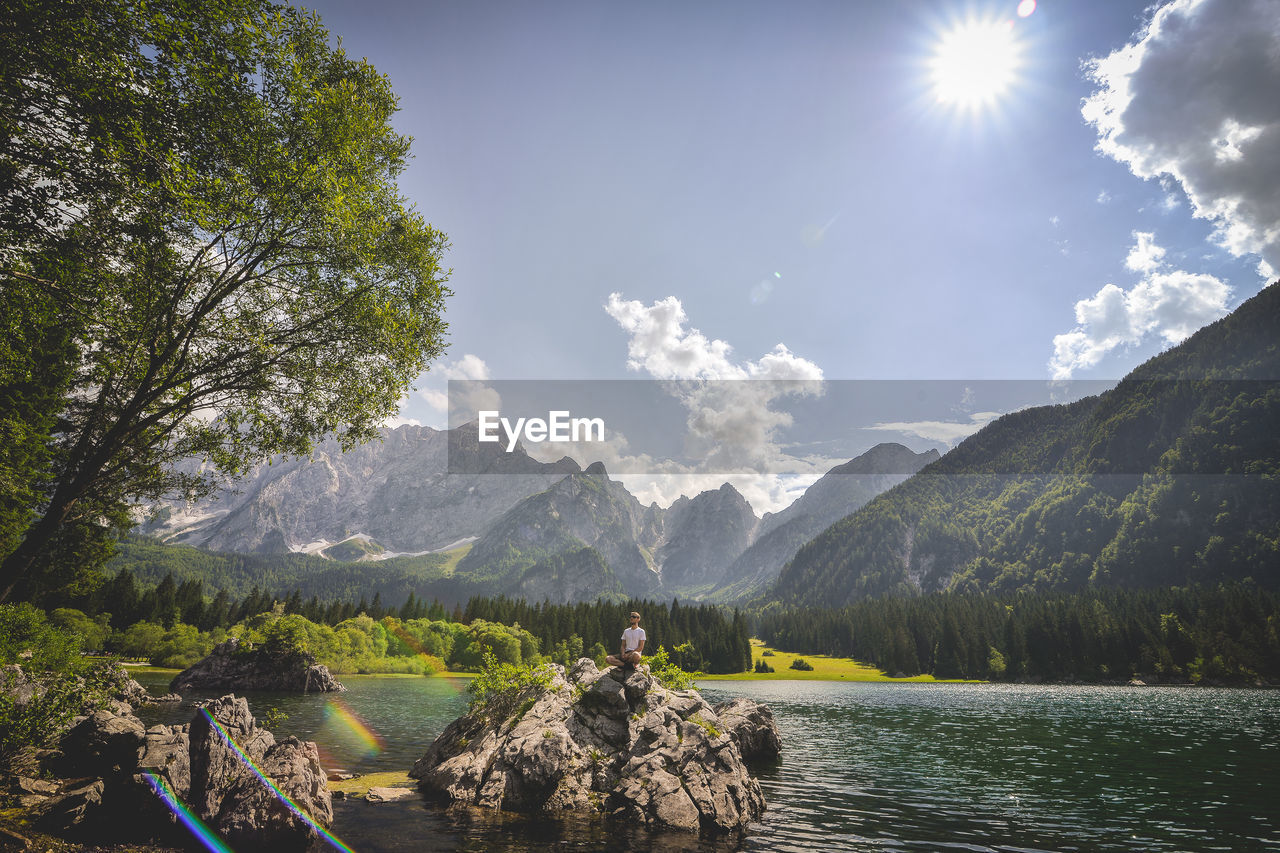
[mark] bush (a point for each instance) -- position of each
(761, 666)
(802, 665)
(671, 676)
(500, 686)
(65, 683)
(27, 639)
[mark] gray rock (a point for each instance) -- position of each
(387, 795)
(230, 667)
(106, 759)
(125, 689)
(166, 752)
(101, 744)
(18, 686)
(752, 728)
(615, 742)
(234, 799)
(72, 807)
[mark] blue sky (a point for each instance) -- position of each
(771, 173)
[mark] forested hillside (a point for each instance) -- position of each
(1227, 634)
(427, 576)
(1170, 478)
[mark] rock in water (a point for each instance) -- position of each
(617, 742)
(752, 728)
(231, 667)
(234, 800)
(222, 766)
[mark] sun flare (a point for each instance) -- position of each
(975, 63)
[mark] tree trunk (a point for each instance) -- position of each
(16, 566)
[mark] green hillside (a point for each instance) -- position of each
(1170, 478)
(428, 576)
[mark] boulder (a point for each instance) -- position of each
(166, 752)
(752, 728)
(615, 742)
(232, 760)
(18, 687)
(231, 666)
(101, 744)
(72, 807)
(222, 766)
(125, 689)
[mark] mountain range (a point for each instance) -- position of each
(518, 526)
(1172, 477)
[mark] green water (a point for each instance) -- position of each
(884, 767)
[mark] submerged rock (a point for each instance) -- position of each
(615, 742)
(233, 667)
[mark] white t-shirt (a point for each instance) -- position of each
(633, 637)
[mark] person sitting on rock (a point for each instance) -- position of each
(632, 645)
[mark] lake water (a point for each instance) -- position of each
(878, 767)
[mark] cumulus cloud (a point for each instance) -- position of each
(1193, 98)
(468, 367)
(1145, 255)
(733, 426)
(469, 395)
(1170, 304)
(661, 346)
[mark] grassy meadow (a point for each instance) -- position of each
(825, 668)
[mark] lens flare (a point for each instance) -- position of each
(185, 816)
(1025, 8)
(340, 715)
(433, 662)
(274, 788)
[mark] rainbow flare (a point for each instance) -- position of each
(275, 789)
(433, 663)
(188, 819)
(340, 714)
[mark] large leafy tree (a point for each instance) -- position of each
(205, 255)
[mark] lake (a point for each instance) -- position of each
(973, 767)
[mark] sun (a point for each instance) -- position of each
(975, 63)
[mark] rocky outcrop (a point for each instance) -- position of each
(752, 728)
(107, 779)
(615, 742)
(231, 666)
(230, 794)
(124, 688)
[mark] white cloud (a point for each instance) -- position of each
(1168, 303)
(733, 426)
(468, 367)
(1194, 99)
(470, 397)
(947, 432)
(1145, 255)
(436, 399)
